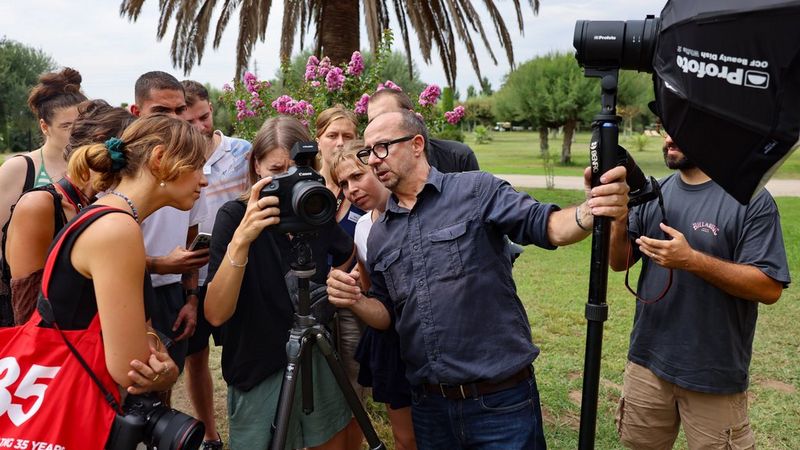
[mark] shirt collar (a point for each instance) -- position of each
(435, 179)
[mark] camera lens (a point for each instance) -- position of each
(174, 430)
(313, 203)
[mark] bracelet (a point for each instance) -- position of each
(230, 260)
(578, 219)
(159, 344)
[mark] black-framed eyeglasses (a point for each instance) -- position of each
(380, 149)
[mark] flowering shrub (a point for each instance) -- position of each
(325, 85)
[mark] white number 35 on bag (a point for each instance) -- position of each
(27, 388)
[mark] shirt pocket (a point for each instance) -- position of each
(394, 276)
(445, 254)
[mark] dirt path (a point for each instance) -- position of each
(778, 188)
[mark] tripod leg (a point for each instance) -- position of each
(323, 340)
(280, 427)
(307, 381)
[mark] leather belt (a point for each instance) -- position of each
(476, 389)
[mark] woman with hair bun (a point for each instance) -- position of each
(54, 102)
(100, 269)
(41, 212)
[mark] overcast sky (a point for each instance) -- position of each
(110, 52)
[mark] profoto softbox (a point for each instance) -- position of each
(727, 86)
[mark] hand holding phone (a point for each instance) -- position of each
(201, 241)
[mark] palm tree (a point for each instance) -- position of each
(436, 22)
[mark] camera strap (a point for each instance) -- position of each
(629, 257)
(71, 192)
(47, 308)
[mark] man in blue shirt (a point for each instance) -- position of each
(439, 271)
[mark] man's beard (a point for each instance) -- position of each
(682, 163)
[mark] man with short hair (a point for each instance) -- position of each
(446, 156)
(690, 350)
(439, 270)
(226, 172)
(158, 92)
(168, 232)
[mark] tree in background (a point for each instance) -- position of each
(20, 67)
(551, 91)
(479, 111)
(486, 87)
(634, 92)
(337, 23)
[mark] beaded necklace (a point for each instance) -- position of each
(130, 203)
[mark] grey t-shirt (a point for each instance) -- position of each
(698, 336)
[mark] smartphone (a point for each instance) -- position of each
(201, 241)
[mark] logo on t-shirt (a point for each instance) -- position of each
(706, 227)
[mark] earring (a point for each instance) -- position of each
(162, 184)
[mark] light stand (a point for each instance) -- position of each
(603, 157)
(306, 332)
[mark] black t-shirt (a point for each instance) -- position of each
(254, 338)
(72, 295)
(698, 336)
(450, 156)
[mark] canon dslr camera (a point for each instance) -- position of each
(305, 203)
(147, 420)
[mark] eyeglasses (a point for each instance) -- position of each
(380, 149)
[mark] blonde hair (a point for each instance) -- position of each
(184, 150)
(348, 153)
(332, 114)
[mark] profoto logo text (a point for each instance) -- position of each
(737, 77)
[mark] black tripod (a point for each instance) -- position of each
(305, 333)
(604, 156)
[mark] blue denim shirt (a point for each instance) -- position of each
(442, 271)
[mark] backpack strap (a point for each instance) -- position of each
(29, 174)
(71, 193)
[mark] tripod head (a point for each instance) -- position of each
(303, 267)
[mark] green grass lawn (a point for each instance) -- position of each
(518, 153)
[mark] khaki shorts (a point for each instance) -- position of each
(651, 411)
(349, 331)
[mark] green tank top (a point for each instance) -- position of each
(42, 178)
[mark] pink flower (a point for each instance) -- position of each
(335, 79)
(311, 68)
(283, 103)
(389, 84)
(430, 95)
(454, 116)
(241, 105)
(251, 82)
(324, 67)
(356, 64)
(227, 87)
(315, 83)
(361, 104)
